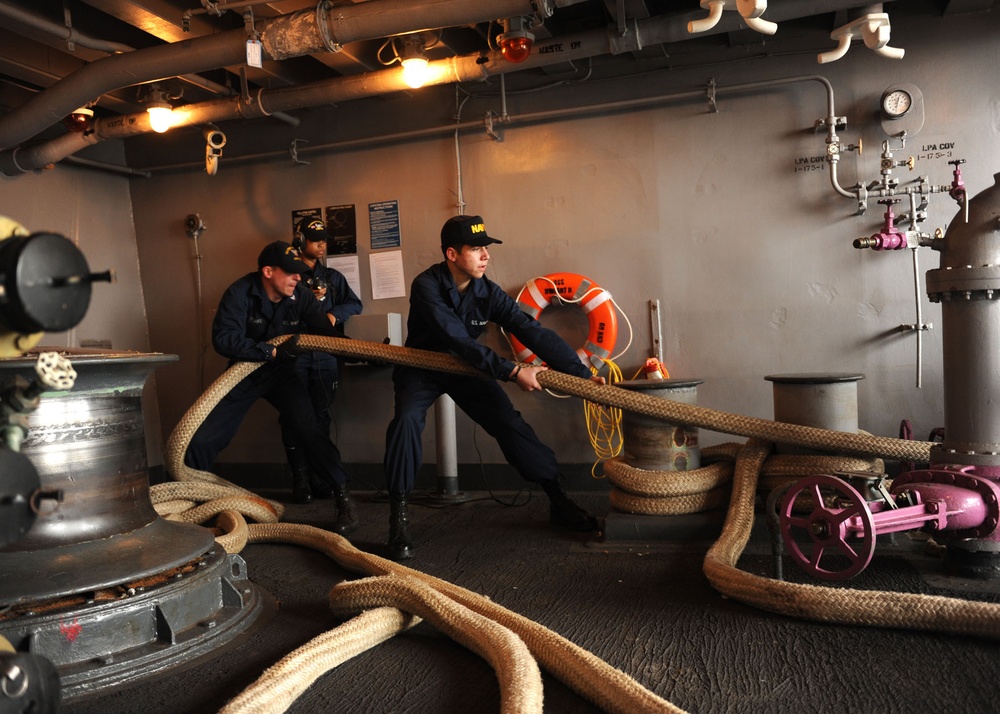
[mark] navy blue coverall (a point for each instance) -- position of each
(443, 320)
(246, 319)
(321, 370)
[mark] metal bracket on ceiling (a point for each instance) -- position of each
(293, 151)
(244, 84)
(325, 27)
(212, 8)
(488, 123)
(710, 91)
(68, 21)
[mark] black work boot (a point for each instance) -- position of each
(347, 519)
(320, 488)
(563, 512)
(301, 493)
(400, 545)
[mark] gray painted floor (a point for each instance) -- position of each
(644, 607)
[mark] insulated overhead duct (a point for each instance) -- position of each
(327, 29)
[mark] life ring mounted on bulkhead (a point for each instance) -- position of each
(596, 302)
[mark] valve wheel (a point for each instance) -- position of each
(831, 542)
(55, 371)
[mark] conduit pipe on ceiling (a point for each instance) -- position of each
(103, 75)
(43, 24)
(477, 125)
(750, 11)
(69, 34)
(456, 69)
(673, 28)
(324, 29)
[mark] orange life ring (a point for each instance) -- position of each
(538, 294)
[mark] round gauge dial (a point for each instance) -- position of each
(896, 103)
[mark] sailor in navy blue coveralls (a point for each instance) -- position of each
(254, 309)
(320, 370)
(450, 306)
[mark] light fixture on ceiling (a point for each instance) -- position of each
(161, 112)
(413, 59)
(79, 119)
(515, 42)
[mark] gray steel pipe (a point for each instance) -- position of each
(304, 32)
(70, 34)
(967, 285)
(90, 82)
(673, 28)
(363, 21)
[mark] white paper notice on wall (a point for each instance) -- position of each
(347, 265)
(254, 54)
(387, 274)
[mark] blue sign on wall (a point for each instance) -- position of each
(383, 222)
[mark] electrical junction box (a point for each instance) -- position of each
(386, 329)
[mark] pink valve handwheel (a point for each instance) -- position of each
(845, 532)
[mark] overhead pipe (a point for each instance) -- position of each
(340, 89)
(69, 34)
(673, 28)
(873, 26)
(456, 69)
(750, 11)
(31, 158)
(103, 75)
(715, 8)
(325, 29)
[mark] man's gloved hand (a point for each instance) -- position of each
(289, 349)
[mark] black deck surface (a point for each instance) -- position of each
(643, 607)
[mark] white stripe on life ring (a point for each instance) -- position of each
(537, 296)
(596, 301)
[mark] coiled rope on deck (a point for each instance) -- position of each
(588, 675)
(512, 644)
(649, 492)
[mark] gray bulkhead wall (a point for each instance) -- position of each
(728, 219)
(94, 210)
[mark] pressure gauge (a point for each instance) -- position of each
(896, 103)
(901, 110)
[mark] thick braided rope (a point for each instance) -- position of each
(668, 505)
(253, 508)
(393, 354)
(215, 498)
(178, 505)
(665, 409)
(193, 491)
(234, 531)
(182, 434)
(659, 484)
(517, 671)
(679, 413)
(476, 628)
(588, 675)
(282, 683)
(837, 605)
(808, 464)
(670, 493)
(228, 506)
(654, 483)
